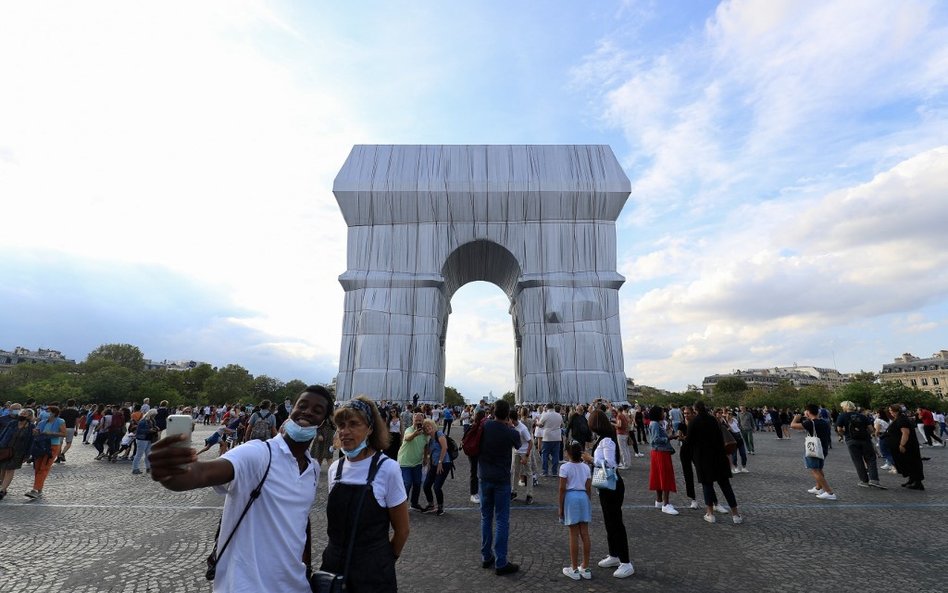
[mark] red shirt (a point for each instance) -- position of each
(927, 418)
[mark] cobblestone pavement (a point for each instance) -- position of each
(100, 528)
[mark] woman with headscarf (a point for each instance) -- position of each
(18, 437)
(366, 500)
(606, 453)
(902, 440)
(709, 457)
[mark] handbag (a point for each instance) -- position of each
(730, 444)
(323, 581)
(604, 478)
(812, 444)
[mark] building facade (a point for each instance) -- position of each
(928, 374)
(770, 378)
(21, 355)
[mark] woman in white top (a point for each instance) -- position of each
(605, 452)
(366, 487)
(880, 425)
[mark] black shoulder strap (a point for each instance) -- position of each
(253, 496)
(373, 470)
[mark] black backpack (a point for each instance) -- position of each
(858, 427)
(452, 448)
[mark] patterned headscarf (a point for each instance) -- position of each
(364, 408)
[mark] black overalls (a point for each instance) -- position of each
(372, 569)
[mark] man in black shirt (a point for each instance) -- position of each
(69, 415)
(493, 468)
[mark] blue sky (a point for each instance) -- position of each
(166, 171)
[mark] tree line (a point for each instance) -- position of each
(865, 391)
(116, 373)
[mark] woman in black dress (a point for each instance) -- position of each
(902, 441)
(710, 460)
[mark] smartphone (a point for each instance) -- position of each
(180, 424)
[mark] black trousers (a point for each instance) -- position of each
(475, 485)
(930, 434)
(616, 536)
(726, 490)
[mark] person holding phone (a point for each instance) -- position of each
(267, 552)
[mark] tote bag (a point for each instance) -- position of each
(604, 478)
(812, 444)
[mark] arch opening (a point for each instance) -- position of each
(481, 260)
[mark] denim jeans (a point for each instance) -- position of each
(495, 503)
(551, 449)
(144, 446)
(411, 476)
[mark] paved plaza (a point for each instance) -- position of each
(100, 528)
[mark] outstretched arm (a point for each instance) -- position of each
(177, 468)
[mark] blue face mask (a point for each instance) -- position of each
(355, 452)
(299, 434)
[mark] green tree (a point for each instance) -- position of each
(861, 393)
(291, 389)
(728, 385)
(452, 397)
(58, 388)
(510, 397)
(110, 384)
(124, 355)
(265, 387)
(230, 384)
(194, 380)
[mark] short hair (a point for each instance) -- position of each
(320, 390)
(813, 409)
(53, 410)
(265, 404)
(847, 406)
(501, 410)
(379, 437)
(70, 402)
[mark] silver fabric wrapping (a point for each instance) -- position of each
(537, 221)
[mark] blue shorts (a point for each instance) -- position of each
(213, 439)
(813, 462)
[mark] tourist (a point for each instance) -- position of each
(439, 465)
(605, 452)
(218, 437)
(856, 430)
(676, 417)
(497, 441)
(928, 426)
(705, 442)
(551, 425)
(54, 429)
(17, 436)
(521, 466)
(146, 432)
(661, 476)
(577, 429)
(747, 424)
(70, 415)
(465, 420)
(411, 457)
(262, 425)
(816, 426)
(575, 511)
(733, 426)
(448, 420)
(161, 417)
(274, 531)
(880, 425)
(903, 443)
(394, 433)
(474, 433)
(622, 423)
(116, 426)
(365, 490)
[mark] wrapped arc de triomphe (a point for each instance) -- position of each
(537, 221)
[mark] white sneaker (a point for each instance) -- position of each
(721, 508)
(571, 573)
(710, 518)
(609, 562)
(693, 505)
(476, 499)
(815, 490)
(744, 470)
(737, 519)
(738, 469)
(826, 496)
(658, 504)
(624, 570)
(669, 509)
(637, 455)
(585, 573)
(886, 466)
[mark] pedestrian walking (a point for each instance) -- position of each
(856, 430)
(661, 475)
(706, 443)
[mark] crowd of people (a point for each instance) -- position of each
(384, 455)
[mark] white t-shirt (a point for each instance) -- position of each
(524, 438)
(881, 425)
(388, 487)
(938, 417)
(266, 554)
(576, 475)
(552, 423)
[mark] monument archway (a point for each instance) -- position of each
(537, 221)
